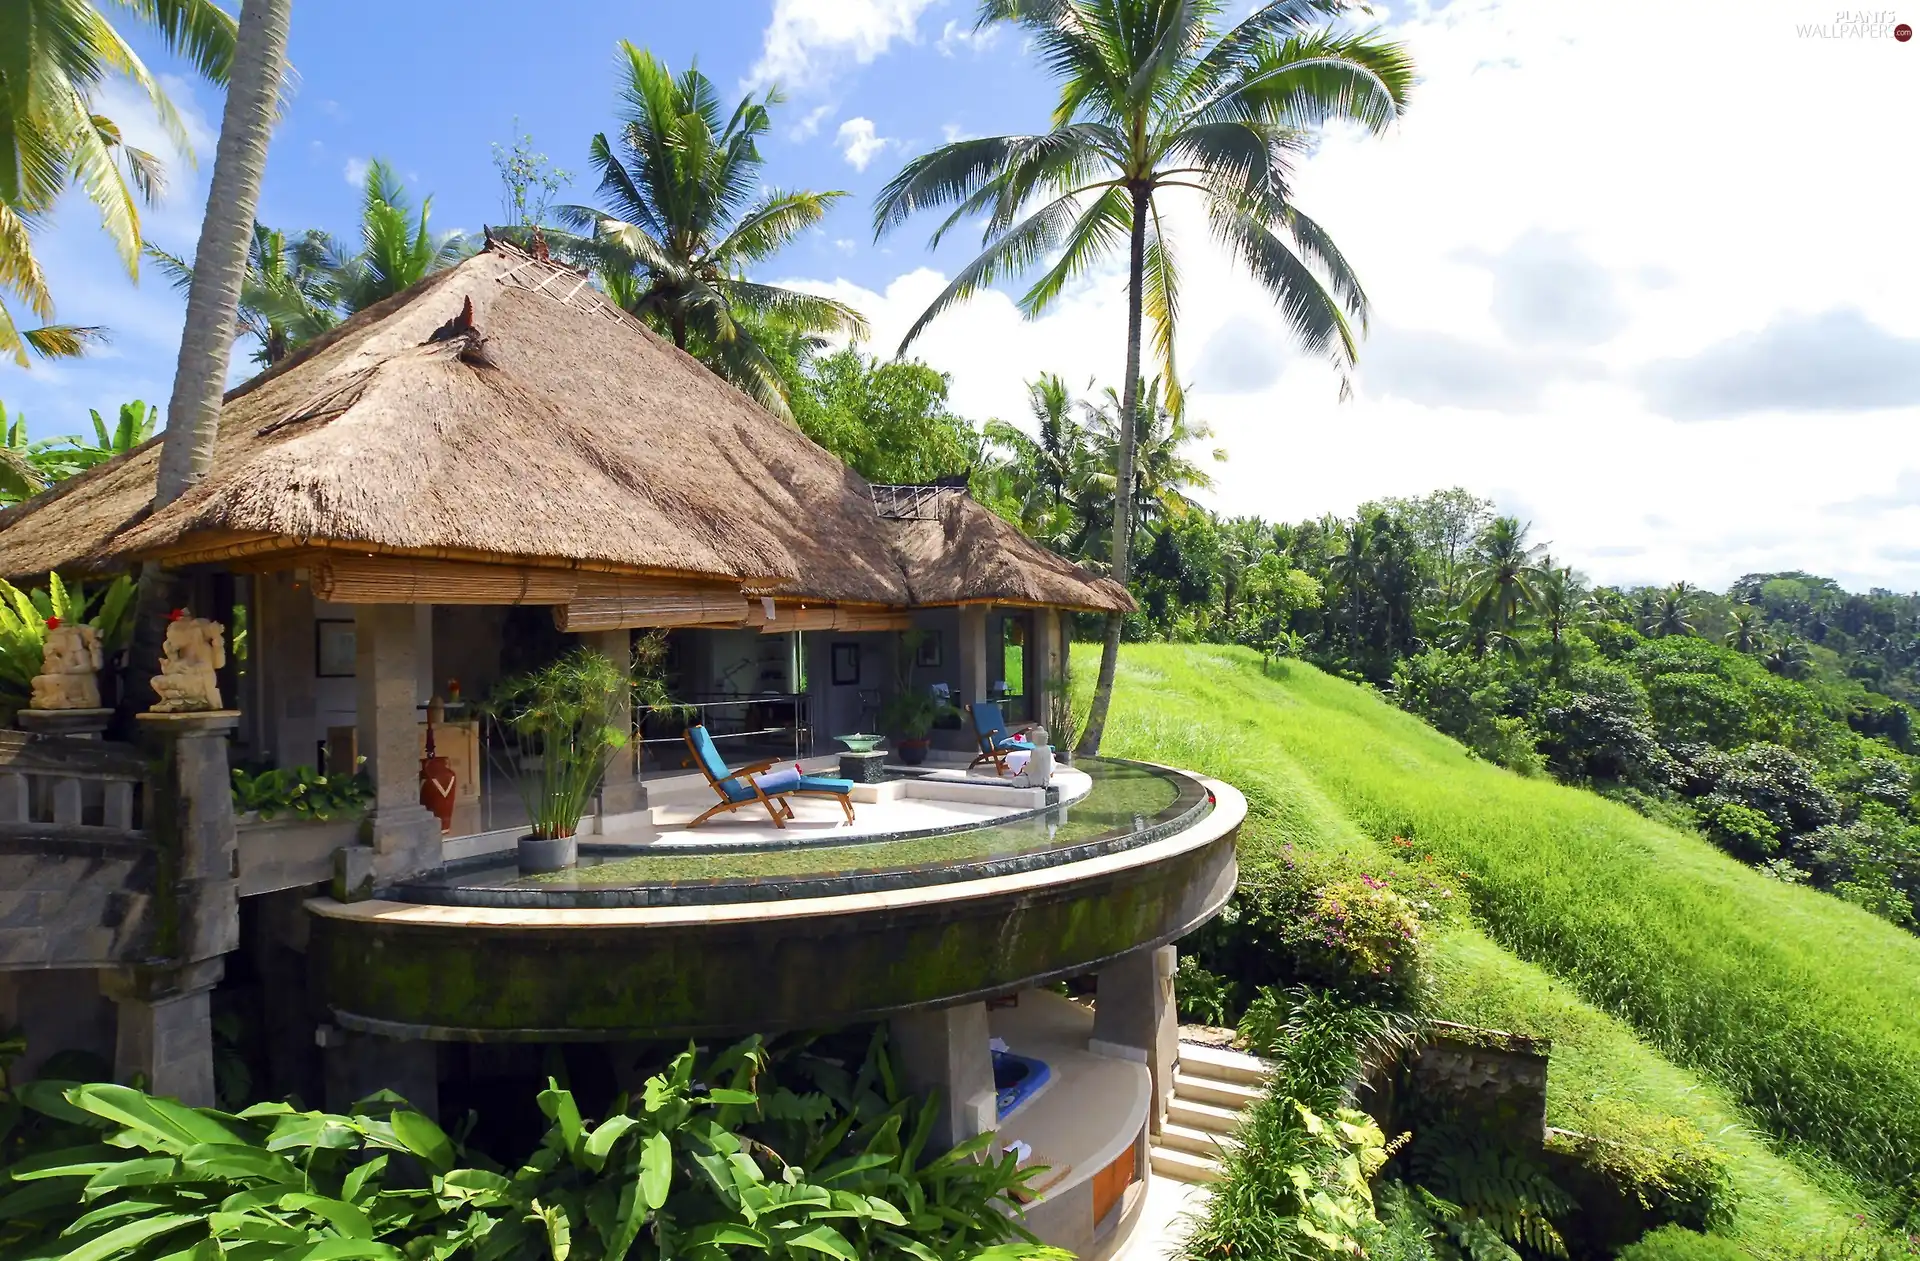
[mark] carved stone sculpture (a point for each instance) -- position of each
(193, 651)
(70, 663)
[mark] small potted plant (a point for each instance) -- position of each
(908, 716)
(561, 725)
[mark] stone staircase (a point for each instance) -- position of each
(1210, 1090)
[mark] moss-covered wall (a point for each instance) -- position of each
(588, 981)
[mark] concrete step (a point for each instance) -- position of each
(1187, 1138)
(1220, 1064)
(1205, 1090)
(1202, 1116)
(1178, 1166)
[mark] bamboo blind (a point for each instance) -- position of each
(347, 579)
(688, 606)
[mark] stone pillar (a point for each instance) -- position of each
(972, 655)
(360, 1064)
(946, 1051)
(164, 1035)
(1134, 1017)
(190, 815)
(404, 835)
(1047, 661)
(621, 792)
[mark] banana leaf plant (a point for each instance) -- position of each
(676, 1171)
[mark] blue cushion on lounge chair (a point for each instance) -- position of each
(824, 784)
(989, 726)
(1009, 744)
(773, 783)
(715, 768)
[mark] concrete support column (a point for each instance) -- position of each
(359, 1064)
(973, 655)
(164, 1035)
(1134, 1017)
(621, 792)
(947, 1052)
(1046, 661)
(404, 835)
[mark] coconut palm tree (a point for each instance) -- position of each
(1501, 585)
(1155, 99)
(213, 299)
(397, 249)
(58, 54)
(1162, 473)
(683, 215)
(1560, 604)
(289, 295)
(1748, 633)
(1042, 472)
(1673, 613)
(1789, 658)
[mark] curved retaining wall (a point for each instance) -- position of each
(480, 974)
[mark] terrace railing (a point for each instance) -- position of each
(57, 787)
(746, 728)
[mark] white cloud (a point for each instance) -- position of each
(953, 133)
(858, 142)
(809, 122)
(956, 36)
(808, 40)
(846, 245)
(355, 171)
(1545, 254)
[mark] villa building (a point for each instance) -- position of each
(464, 481)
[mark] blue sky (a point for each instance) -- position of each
(1626, 280)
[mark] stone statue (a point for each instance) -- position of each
(70, 663)
(192, 652)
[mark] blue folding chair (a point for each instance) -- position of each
(755, 783)
(990, 729)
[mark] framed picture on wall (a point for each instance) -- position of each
(928, 654)
(846, 665)
(334, 649)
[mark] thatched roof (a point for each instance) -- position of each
(502, 410)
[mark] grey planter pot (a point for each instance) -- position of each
(538, 854)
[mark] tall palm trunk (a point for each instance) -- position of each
(213, 298)
(1122, 476)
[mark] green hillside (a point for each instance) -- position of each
(1675, 980)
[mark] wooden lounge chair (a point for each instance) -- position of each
(757, 783)
(990, 729)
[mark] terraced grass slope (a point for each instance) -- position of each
(1793, 1010)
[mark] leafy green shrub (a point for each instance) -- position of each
(1202, 997)
(676, 1171)
(1677, 1243)
(1296, 1182)
(301, 792)
(1665, 1164)
(1740, 830)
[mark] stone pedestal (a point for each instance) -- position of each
(85, 724)
(864, 768)
(1134, 1017)
(947, 1052)
(164, 1036)
(191, 814)
(404, 835)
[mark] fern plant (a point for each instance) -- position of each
(1483, 1195)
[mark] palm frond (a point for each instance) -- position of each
(1311, 313)
(772, 224)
